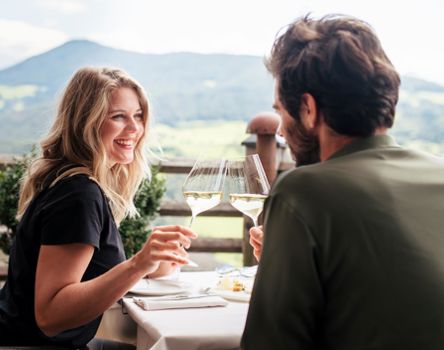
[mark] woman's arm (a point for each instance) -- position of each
(63, 302)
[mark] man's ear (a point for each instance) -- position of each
(309, 111)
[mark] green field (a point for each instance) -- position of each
(192, 139)
(17, 92)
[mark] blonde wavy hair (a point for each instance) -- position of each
(74, 146)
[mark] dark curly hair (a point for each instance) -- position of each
(340, 62)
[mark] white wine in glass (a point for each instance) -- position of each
(199, 201)
(249, 204)
(248, 186)
(202, 188)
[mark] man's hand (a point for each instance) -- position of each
(256, 238)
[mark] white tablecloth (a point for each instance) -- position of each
(190, 329)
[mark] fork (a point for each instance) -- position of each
(203, 292)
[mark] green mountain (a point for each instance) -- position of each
(182, 87)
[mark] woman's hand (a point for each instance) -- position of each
(256, 239)
(164, 269)
(165, 249)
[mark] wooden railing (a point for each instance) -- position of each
(262, 140)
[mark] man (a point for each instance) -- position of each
(353, 254)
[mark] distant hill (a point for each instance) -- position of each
(181, 86)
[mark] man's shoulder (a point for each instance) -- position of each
(320, 184)
(303, 177)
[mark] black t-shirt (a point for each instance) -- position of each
(75, 210)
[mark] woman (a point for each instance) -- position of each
(67, 264)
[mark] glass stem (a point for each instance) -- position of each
(191, 221)
(255, 222)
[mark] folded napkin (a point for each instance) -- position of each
(159, 304)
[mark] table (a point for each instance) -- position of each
(117, 326)
(190, 329)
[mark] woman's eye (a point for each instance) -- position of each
(118, 116)
(139, 116)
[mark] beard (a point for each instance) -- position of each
(303, 144)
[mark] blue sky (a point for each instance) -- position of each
(411, 31)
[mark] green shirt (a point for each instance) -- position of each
(353, 254)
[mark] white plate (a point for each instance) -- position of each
(158, 287)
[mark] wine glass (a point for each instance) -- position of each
(248, 185)
(203, 186)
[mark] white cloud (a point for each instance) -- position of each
(20, 40)
(64, 6)
(229, 26)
